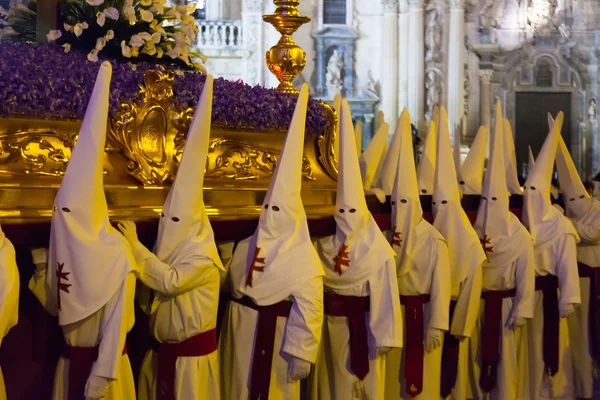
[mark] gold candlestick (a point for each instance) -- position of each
(286, 59)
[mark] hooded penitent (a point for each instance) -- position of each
(371, 160)
(184, 232)
(388, 172)
(496, 226)
(539, 216)
(89, 259)
(281, 255)
(426, 170)
(406, 205)
(358, 247)
(450, 219)
(510, 159)
(358, 131)
(577, 201)
(530, 160)
(470, 177)
(9, 289)
(457, 151)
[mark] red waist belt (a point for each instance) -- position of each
(490, 336)
(81, 360)
(449, 358)
(354, 308)
(585, 271)
(262, 358)
(414, 350)
(201, 344)
(548, 284)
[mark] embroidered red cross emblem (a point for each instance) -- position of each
(60, 275)
(341, 259)
(254, 267)
(397, 239)
(486, 242)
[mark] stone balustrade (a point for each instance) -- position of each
(219, 34)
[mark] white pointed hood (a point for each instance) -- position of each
(184, 231)
(531, 160)
(280, 255)
(358, 248)
(337, 103)
(371, 159)
(407, 213)
(510, 159)
(470, 177)
(89, 259)
(426, 169)
(390, 164)
(457, 151)
(450, 219)
(577, 200)
(358, 131)
(9, 286)
(539, 216)
(499, 230)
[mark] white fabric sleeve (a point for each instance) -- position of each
(467, 304)
(439, 302)
(587, 233)
(9, 296)
(39, 256)
(37, 285)
(303, 329)
(166, 279)
(385, 317)
(566, 270)
(524, 284)
(117, 320)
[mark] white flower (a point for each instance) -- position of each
(68, 28)
(146, 15)
(190, 8)
(100, 43)
(67, 47)
(149, 49)
(95, 3)
(188, 30)
(159, 52)
(100, 18)
(146, 3)
(172, 12)
(173, 53)
(129, 13)
(111, 13)
(109, 35)
(79, 28)
(128, 3)
(125, 50)
(93, 55)
(158, 8)
(7, 31)
(136, 41)
(145, 36)
(53, 35)
(157, 27)
(188, 20)
(182, 9)
(3, 22)
(181, 39)
(155, 38)
(3, 11)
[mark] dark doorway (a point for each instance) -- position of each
(531, 124)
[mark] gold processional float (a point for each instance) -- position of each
(144, 144)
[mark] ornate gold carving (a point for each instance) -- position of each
(326, 143)
(286, 59)
(36, 152)
(242, 161)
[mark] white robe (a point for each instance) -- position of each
(298, 335)
(588, 252)
(107, 327)
(558, 258)
(511, 383)
(430, 274)
(186, 301)
(331, 377)
(9, 301)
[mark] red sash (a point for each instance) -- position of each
(414, 349)
(548, 284)
(490, 336)
(354, 308)
(262, 357)
(449, 358)
(585, 271)
(199, 345)
(81, 360)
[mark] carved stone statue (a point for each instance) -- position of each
(333, 75)
(433, 93)
(592, 112)
(433, 34)
(372, 85)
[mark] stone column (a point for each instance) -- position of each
(403, 21)
(456, 67)
(485, 98)
(252, 29)
(389, 77)
(214, 11)
(416, 62)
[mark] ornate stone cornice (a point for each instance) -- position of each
(486, 75)
(253, 6)
(390, 6)
(416, 3)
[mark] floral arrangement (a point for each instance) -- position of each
(18, 22)
(42, 82)
(131, 30)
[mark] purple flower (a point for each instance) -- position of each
(42, 82)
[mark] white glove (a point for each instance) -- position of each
(128, 230)
(383, 350)
(517, 322)
(298, 369)
(96, 387)
(380, 194)
(567, 310)
(226, 251)
(40, 258)
(433, 339)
